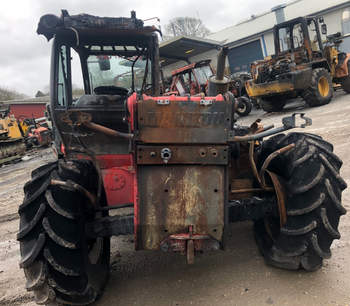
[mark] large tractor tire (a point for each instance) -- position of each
(273, 104)
(60, 263)
(313, 187)
(244, 106)
(320, 91)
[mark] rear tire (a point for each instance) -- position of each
(244, 106)
(273, 104)
(313, 187)
(60, 263)
(321, 90)
(345, 83)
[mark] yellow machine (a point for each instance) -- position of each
(10, 126)
(12, 144)
(303, 65)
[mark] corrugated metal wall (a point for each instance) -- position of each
(27, 110)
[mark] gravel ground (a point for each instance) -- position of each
(236, 276)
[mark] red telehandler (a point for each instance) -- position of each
(181, 164)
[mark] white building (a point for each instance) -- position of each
(252, 39)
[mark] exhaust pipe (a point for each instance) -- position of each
(218, 84)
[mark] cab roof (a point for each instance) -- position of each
(92, 27)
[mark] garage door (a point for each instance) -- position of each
(345, 45)
(240, 57)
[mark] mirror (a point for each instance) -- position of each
(324, 28)
(104, 63)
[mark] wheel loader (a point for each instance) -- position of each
(179, 165)
(304, 65)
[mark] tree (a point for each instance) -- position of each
(40, 94)
(7, 94)
(77, 91)
(186, 26)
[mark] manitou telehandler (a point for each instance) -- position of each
(181, 164)
(303, 65)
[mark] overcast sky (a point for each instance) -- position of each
(24, 56)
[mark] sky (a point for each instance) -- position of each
(25, 56)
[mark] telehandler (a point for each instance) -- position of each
(179, 163)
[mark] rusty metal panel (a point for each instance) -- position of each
(172, 198)
(184, 121)
(209, 155)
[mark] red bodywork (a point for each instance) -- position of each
(193, 86)
(42, 135)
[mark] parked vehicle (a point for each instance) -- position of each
(180, 163)
(193, 79)
(302, 66)
(237, 87)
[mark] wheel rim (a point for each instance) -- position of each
(242, 107)
(272, 228)
(323, 86)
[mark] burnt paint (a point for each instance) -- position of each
(175, 197)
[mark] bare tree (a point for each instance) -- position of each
(8, 94)
(187, 26)
(77, 91)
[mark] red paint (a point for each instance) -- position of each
(42, 135)
(120, 181)
(119, 185)
(28, 110)
(63, 149)
(114, 160)
(191, 67)
(118, 173)
(182, 98)
(132, 100)
(184, 68)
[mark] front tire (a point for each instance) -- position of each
(313, 187)
(320, 91)
(60, 263)
(273, 104)
(244, 106)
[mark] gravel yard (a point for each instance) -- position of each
(236, 276)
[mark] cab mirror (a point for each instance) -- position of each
(104, 63)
